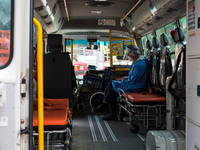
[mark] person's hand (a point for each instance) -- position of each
(119, 79)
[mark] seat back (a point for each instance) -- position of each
(178, 78)
(165, 69)
(54, 43)
(57, 70)
(155, 63)
(148, 47)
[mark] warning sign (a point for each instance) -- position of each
(106, 22)
(4, 47)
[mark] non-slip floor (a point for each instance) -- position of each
(90, 132)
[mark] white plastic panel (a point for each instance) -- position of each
(165, 140)
(192, 137)
(192, 100)
(193, 35)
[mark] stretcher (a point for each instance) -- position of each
(57, 120)
(147, 107)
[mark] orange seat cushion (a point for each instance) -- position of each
(53, 103)
(57, 104)
(139, 97)
(52, 117)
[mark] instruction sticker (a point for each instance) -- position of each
(3, 121)
(4, 47)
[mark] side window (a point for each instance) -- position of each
(6, 32)
(168, 29)
(144, 40)
(150, 37)
(159, 32)
(183, 25)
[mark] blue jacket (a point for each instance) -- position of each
(137, 80)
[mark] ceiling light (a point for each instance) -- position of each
(96, 12)
(44, 2)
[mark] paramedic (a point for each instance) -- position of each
(136, 81)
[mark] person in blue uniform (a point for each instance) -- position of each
(136, 81)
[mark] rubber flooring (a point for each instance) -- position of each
(90, 132)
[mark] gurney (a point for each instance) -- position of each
(151, 106)
(148, 108)
(57, 119)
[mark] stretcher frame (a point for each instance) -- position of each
(67, 131)
(144, 111)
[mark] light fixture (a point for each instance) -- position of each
(44, 2)
(96, 12)
(66, 10)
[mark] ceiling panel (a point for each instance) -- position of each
(78, 9)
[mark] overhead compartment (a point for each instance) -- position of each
(167, 11)
(48, 14)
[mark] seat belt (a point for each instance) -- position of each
(171, 90)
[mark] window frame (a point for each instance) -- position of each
(11, 37)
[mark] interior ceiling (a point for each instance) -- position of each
(83, 24)
(78, 9)
(81, 17)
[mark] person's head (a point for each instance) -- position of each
(133, 52)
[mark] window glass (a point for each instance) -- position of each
(84, 54)
(118, 48)
(5, 32)
(144, 40)
(183, 25)
(150, 37)
(168, 29)
(159, 32)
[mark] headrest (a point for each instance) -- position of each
(179, 35)
(149, 45)
(164, 39)
(54, 42)
(155, 42)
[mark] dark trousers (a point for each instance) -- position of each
(110, 96)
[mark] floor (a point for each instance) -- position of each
(90, 132)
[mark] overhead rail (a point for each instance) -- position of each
(65, 3)
(72, 50)
(40, 83)
(130, 11)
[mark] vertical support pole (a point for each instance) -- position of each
(111, 55)
(72, 51)
(31, 77)
(40, 83)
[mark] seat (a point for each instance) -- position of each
(57, 70)
(53, 119)
(177, 84)
(57, 92)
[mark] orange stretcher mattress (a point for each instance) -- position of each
(53, 103)
(139, 97)
(52, 117)
(57, 104)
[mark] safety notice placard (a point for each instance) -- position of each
(106, 22)
(4, 47)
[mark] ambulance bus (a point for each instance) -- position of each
(58, 56)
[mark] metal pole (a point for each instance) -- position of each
(31, 78)
(40, 84)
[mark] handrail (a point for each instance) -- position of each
(40, 83)
(111, 55)
(72, 50)
(130, 10)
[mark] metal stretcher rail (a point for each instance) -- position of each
(145, 110)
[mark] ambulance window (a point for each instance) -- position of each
(6, 32)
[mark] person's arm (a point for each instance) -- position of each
(120, 79)
(134, 75)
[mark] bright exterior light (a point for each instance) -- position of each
(98, 12)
